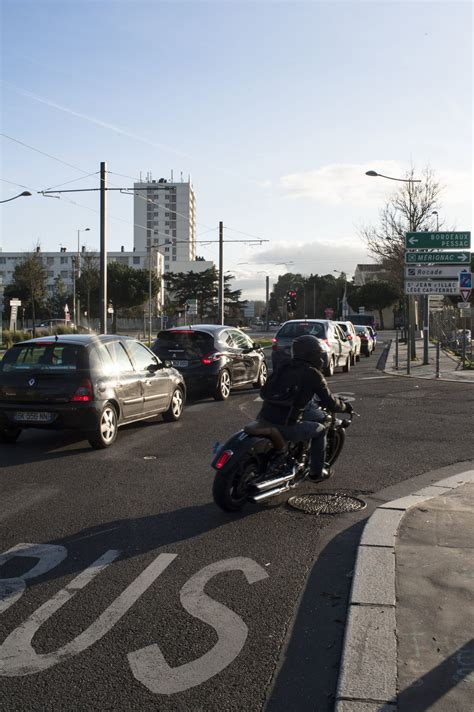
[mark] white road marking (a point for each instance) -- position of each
(49, 555)
(148, 664)
(372, 378)
(258, 399)
(17, 656)
(346, 395)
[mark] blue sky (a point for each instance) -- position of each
(275, 109)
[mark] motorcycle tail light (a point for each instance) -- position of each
(83, 393)
(225, 457)
(211, 358)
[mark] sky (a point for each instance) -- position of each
(275, 110)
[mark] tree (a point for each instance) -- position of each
(202, 286)
(88, 283)
(128, 287)
(409, 209)
(375, 296)
(29, 284)
(58, 299)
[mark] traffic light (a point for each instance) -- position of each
(291, 300)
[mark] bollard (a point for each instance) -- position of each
(437, 358)
(396, 350)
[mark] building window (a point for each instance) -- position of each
(2, 261)
(167, 232)
(51, 273)
(50, 260)
(64, 274)
(167, 249)
(136, 260)
(174, 259)
(64, 260)
(174, 233)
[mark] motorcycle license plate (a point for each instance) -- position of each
(33, 417)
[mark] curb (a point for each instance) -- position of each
(368, 669)
(391, 372)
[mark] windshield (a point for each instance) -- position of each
(295, 329)
(49, 356)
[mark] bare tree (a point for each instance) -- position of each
(408, 209)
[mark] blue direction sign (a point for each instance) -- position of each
(465, 285)
(438, 240)
(435, 258)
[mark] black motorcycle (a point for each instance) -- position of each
(247, 469)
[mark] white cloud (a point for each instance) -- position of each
(339, 183)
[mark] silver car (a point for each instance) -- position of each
(349, 330)
(337, 347)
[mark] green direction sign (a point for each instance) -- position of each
(438, 240)
(434, 258)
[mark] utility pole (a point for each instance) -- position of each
(220, 302)
(103, 248)
(267, 300)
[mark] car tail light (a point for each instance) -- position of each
(211, 358)
(84, 392)
(274, 344)
(225, 457)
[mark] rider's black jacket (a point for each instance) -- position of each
(312, 382)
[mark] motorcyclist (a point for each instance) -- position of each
(299, 421)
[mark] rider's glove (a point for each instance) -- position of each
(349, 409)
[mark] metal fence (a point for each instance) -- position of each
(453, 331)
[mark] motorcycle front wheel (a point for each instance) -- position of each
(231, 489)
(335, 443)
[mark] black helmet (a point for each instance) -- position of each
(307, 348)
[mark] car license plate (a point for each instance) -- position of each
(34, 417)
(180, 364)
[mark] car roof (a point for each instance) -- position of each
(308, 321)
(78, 339)
(211, 328)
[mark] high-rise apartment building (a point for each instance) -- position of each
(165, 218)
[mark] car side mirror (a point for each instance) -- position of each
(257, 345)
(167, 364)
(153, 367)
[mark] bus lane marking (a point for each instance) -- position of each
(148, 664)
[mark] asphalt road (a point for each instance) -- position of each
(132, 591)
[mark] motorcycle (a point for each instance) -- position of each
(248, 471)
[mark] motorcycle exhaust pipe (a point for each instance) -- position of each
(268, 484)
(269, 493)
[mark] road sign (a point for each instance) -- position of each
(438, 286)
(465, 285)
(434, 258)
(467, 313)
(438, 240)
(15, 302)
(432, 272)
(464, 305)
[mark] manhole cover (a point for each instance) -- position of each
(326, 503)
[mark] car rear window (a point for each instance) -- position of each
(192, 343)
(292, 330)
(44, 357)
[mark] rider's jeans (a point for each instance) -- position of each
(309, 429)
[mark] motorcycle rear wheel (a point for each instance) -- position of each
(231, 489)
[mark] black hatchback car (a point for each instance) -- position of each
(89, 383)
(213, 358)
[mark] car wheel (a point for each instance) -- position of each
(9, 434)
(222, 391)
(106, 430)
(176, 406)
(353, 360)
(347, 366)
(367, 353)
(262, 376)
(358, 356)
(329, 370)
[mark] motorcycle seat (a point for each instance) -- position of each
(259, 428)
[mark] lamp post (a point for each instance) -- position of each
(344, 296)
(411, 347)
(435, 212)
(76, 274)
(25, 194)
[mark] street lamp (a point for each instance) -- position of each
(25, 194)
(344, 296)
(411, 347)
(435, 212)
(76, 272)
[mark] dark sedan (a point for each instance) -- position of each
(89, 383)
(213, 358)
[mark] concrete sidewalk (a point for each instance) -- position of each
(450, 367)
(409, 641)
